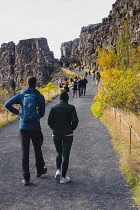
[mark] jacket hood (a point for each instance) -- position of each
(31, 91)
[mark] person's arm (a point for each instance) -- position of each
(42, 107)
(74, 119)
(9, 104)
(50, 119)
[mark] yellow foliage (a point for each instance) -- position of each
(107, 58)
(119, 87)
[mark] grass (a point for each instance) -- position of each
(129, 162)
(69, 72)
(6, 122)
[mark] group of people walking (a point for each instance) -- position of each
(79, 84)
(76, 84)
(62, 119)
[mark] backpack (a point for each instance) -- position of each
(30, 110)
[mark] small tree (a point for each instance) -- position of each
(124, 48)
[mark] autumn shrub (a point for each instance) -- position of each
(98, 108)
(49, 91)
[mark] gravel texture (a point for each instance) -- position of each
(97, 182)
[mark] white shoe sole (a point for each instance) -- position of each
(64, 181)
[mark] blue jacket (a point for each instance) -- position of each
(18, 99)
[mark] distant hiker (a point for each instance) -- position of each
(60, 83)
(97, 77)
(63, 121)
(84, 82)
(33, 108)
(79, 68)
(71, 79)
(65, 84)
(6, 94)
(75, 66)
(93, 75)
(86, 74)
(89, 73)
(74, 87)
(80, 87)
(82, 67)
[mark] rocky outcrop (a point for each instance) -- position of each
(31, 57)
(7, 65)
(104, 34)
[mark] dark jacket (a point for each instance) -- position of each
(84, 82)
(63, 119)
(80, 83)
(18, 99)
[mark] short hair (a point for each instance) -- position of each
(32, 82)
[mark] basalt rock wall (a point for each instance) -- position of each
(84, 49)
(31, 57)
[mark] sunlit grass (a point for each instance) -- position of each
(129, 162)
(6, 122)
(69, 72)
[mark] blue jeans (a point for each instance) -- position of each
(37, 140)
(63, 146)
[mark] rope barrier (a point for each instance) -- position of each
(114, 110)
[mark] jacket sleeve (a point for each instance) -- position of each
(74, 119)
(9, 104)
(50, 119)
(42, 106)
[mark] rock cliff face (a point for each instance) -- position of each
(31, 57)
(84, 49)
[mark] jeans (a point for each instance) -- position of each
(63, 146)
(84, 91)
(80, 91)
(37, 140)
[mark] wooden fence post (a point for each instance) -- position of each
(115, 113)
(7, 115)
(130, 127)
(120, 121)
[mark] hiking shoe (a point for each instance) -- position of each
(64, 180)
(44, 171)
(58, 174)
(25, 182)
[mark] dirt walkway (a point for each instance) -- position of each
(97, 182)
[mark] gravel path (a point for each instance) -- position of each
(96, 179)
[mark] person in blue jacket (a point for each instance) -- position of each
(30, 130)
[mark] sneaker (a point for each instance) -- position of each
(25, 182)
(64, 180)
(58, 174)
(44, 171)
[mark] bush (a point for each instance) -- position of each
(98, 108)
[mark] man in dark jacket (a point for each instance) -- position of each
(84, 81)
(30, 130)
(63, 120)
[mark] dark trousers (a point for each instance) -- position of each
(63, 146)
(80, 91)
(84, 91)
(37, 140)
